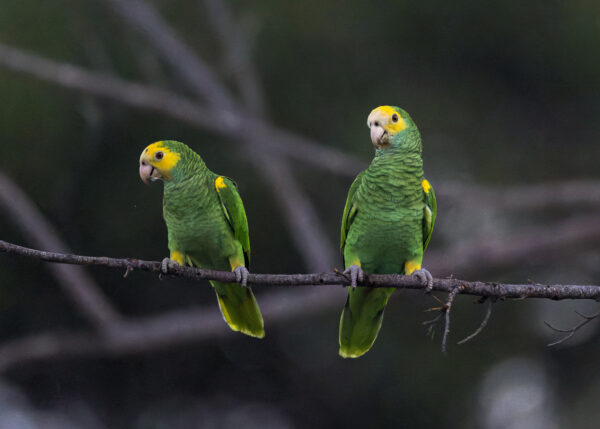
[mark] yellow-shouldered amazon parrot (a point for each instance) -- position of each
(207, 226)
(386, 226)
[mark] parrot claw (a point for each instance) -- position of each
(356, 273)
(166, 264)
(425, 277)
(241, 275)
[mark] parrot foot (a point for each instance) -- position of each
(166, 264)
(241, 275)
(356, 273)
(425, 277)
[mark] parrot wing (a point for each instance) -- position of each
(429, 212)
(233, 209)
(349, 210)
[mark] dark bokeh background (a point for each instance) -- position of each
(505, 94)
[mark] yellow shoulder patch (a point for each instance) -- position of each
(426, 186)
(220, 183)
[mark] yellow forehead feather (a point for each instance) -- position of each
(168, 161)
(386, 112)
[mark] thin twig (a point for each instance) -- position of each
(482, 325)
(431, 324)
(571, 331)
(447, 309)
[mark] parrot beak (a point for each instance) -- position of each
(148, 173)
(377, 122)
(379, 136)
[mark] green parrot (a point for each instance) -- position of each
(207, 227)
(386, 226)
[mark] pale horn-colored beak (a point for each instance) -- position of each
(377, 135)
(376, 122)
(148, 173)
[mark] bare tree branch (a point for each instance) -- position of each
(171, 329)
(484, 289)
(77, 284)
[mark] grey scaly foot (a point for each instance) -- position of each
(425, 277)
(356, 273)
(241, 275)
(166, 264)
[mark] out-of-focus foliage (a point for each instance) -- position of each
(505, 93)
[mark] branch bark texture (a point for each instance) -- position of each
(484, 289)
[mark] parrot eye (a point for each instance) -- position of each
(159, 155)
(394, 118)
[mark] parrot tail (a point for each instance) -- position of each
(239, 308)
(361, 320)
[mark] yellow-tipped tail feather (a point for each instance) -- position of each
(240, 309)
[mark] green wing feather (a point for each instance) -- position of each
(237, 303)
(233, 208)
(349, 210)
(429, 213)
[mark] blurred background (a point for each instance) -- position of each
(275, 95)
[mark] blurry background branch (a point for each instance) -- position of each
(533, 243)
(223, 122)
(76, 283)
(538, 196)
(237, 126)
(298, 212)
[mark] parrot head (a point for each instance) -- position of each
(389, 125)
(162, 161)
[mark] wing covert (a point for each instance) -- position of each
(349, 210)
(429, 212)
(233, 209)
